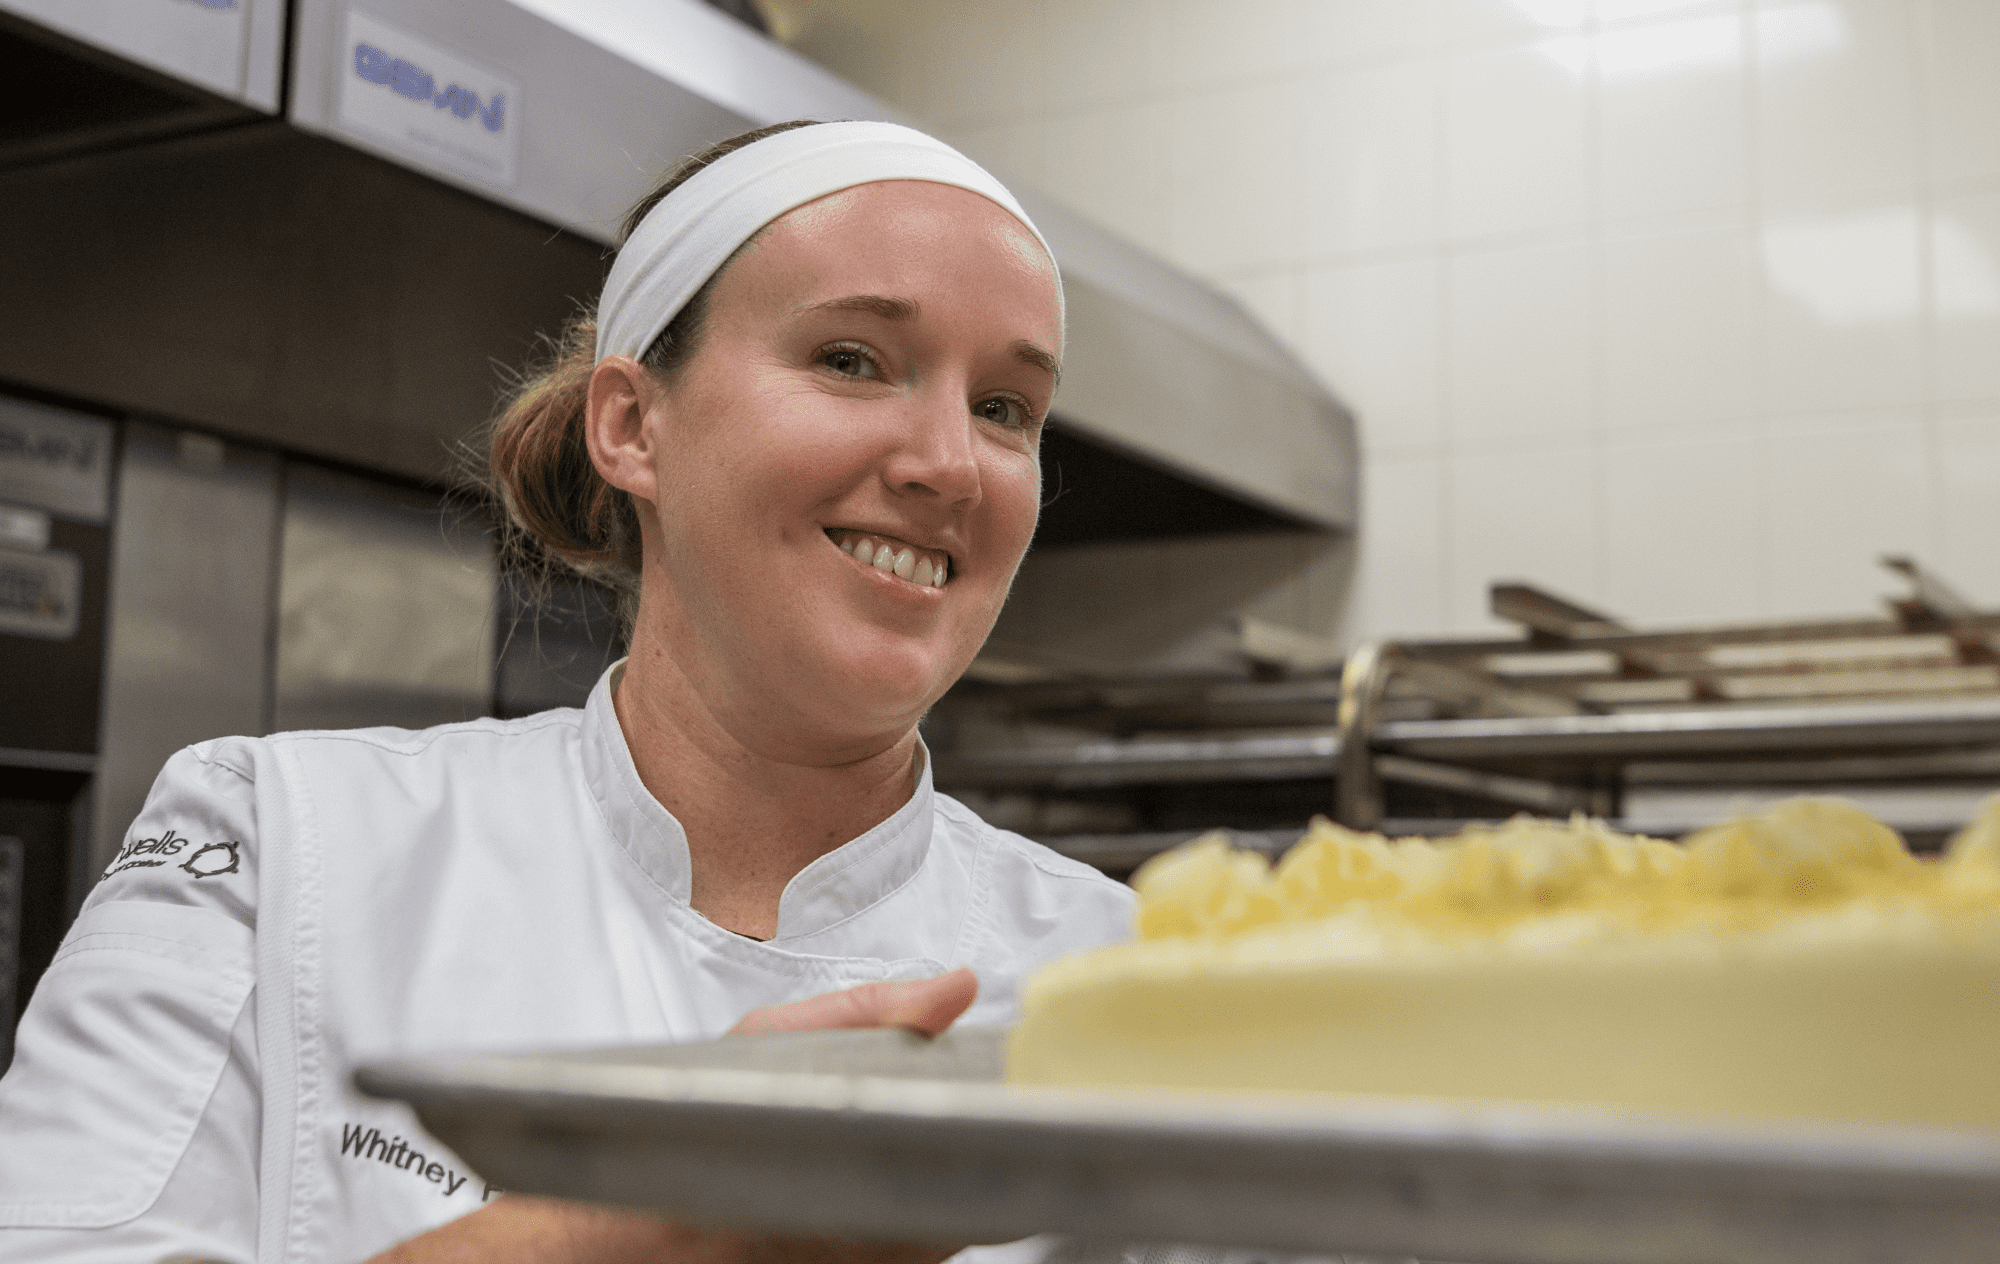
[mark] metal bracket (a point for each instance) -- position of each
(1357, 789)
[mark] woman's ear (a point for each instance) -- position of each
(614, 425)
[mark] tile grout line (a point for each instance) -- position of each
(1760, 316)
(1922, 35)
(1444, 347)
(1597, 309)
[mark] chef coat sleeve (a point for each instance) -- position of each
(129, 1120)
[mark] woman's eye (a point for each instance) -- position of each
(1002, 411)
(848, 362)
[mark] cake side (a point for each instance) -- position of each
(1797, 964)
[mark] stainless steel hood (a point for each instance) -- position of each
(599, 96)
(232, 48)
(274, 279)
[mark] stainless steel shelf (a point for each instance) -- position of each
(1698, 733)
(1559, 720)
(1693, 733)
(1140, 760)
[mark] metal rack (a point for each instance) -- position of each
(1576, 714)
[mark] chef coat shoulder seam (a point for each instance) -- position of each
(420, 741)
(213, 754)
(1041, 856)
(1052, 862)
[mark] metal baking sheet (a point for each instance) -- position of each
(885, 1135)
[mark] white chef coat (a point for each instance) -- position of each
(286, 907)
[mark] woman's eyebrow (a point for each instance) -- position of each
(1028, 353)
(875, 304)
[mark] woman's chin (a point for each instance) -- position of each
(867, 700)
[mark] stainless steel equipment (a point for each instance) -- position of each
(881, 1134)
(188, 656)
(232, 50)
(1586, 702)
(601, 96)
(358, 295)
(1662, 731)
(56, 467)
(386, 606)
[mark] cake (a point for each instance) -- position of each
(1801, 963)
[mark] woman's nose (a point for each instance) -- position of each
(937, 453)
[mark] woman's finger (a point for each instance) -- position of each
(925, 1006)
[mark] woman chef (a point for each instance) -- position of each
(807, 428)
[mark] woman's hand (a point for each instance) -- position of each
(522, 1230)
(925, 1006)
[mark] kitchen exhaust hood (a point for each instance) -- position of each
(608, 93)
(274, 279)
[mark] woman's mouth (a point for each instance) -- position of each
(927, 568)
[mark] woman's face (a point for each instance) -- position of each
(862, 413)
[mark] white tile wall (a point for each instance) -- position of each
(1679, 327)
(1223, 146)
(1343, 30)
(1476, 20)
(1114, 163)
(1370, 171)
(1670, 130)
(1521, 513)
(1687, 308)
(1844, 320)
(1519, 339)
(1965, 289)
(1836, 100)
(1204, 52)
(1074, 44)
(1374, 330)
(1961, 88)
(1401, 589)
(1516, 142)
(1843, 492)
(1679, 506)
(1969, 500)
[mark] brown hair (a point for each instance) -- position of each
(558, 512)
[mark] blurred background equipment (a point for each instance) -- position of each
(1660, 731)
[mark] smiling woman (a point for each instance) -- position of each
(800, 435)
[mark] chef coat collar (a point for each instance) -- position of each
(839, 885)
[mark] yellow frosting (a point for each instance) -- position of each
(1801, 962)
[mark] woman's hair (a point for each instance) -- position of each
(557, 511)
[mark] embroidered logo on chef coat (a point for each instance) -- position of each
(146, 853)
(209, 860)
(212, 860)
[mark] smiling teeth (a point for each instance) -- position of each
(904, 563)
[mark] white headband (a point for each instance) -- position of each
(693, 230)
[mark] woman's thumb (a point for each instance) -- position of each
(925, 1006)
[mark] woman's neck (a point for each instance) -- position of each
(753, 818)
